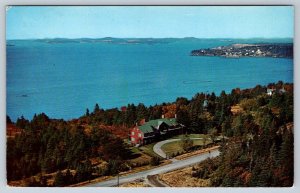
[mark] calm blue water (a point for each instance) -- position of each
(64, 79)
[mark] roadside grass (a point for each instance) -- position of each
(190, 136)
(183, 178)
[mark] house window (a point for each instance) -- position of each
(132, 139)
(140, 135)
(132, 133)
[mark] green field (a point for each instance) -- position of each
(175, 146)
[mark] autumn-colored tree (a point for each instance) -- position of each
(169, 111)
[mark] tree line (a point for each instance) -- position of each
(260, 133)
(47, 146)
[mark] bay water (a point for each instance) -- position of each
(62, 79)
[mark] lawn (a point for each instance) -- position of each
(148, 149)
(172, 147)
(190, 135)
(135, 150)
(139, 157)
(175, 146)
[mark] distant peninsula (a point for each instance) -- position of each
(275, 50)
(109, 40)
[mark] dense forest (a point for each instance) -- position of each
(260, 150)
(259, 128)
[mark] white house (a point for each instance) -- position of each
(270, 92)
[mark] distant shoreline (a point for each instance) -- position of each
(275, 50)
(206, 38)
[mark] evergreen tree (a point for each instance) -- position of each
(186, 143)
(141, 112)
(59, 179)
(8, 120)
(96, 109)
(68, 177)
(183, 117)
(22, 122)
(87, 113)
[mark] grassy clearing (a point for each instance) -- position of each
(172, 147)
(139, 158)
(142, 155)
(190, 136)
(148, 149)
(175, 146)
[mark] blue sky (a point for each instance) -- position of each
(34, 22)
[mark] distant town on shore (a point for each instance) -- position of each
(283, 50)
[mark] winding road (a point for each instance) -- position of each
(162, 169)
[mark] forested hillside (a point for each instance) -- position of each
(257, 149)
(260, 148)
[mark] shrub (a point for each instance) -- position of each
(155, 161)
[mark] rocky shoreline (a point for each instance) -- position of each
(283, 50)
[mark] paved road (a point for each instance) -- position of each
(157, 147)
(163, 169)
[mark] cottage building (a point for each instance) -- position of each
(154, 130)
(282, 91)
(270, 92)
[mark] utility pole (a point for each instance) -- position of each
(118, 179)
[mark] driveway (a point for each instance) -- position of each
(163, 169)
(157, 147)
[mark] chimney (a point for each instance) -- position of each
(162, 116)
